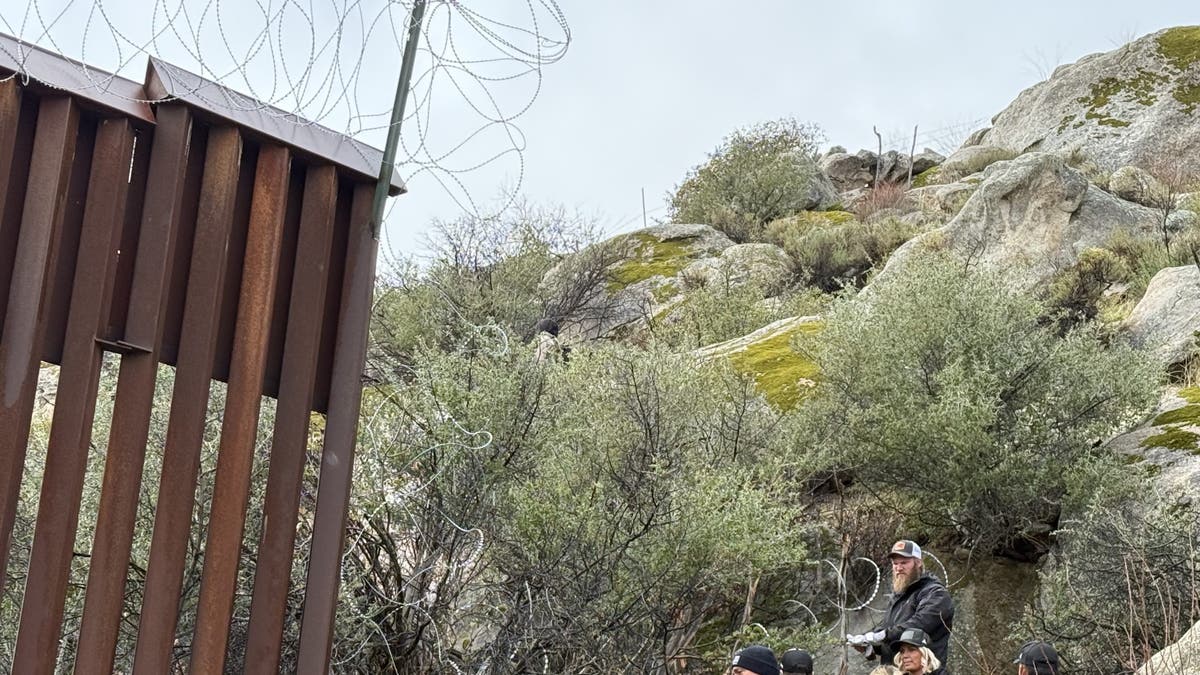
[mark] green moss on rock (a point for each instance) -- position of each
(1188, 96)
(1175, 424)
(1137, 89)
(810, 219)
(651, 257)
(926, 177)
(1188, 414)
(1180, 46)
(1173, 438)
(1190, 394)
(782, 374)
(665, 291)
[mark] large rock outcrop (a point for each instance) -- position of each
(1134, 105)
(1031, 216)
(850, 172)
(1180, 658)
(646, 271)
(1166, 319)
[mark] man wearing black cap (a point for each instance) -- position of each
(754, 660)
(796, 662)
(1037, 658)
(919, 600)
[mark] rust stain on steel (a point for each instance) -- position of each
(142, 323)
(185, 428)
(290, 440)
(161, 217)
(75, 403)
(54, 147)
(56, 303)
(10, 119)
(239, 428)
(134, 399)
(333, 297)
(121, 281)
(226, 267)
(337, 459)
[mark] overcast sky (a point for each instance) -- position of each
(646, 87)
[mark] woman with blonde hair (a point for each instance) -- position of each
(913, 656)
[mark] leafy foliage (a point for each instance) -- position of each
(831, 255)
(944, 385)
(1124, 583)
(755, 176)
(579, 515)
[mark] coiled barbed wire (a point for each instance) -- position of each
(325, 64)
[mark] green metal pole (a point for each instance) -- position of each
(393, 138)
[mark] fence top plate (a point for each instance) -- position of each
(165, 81)
(92, 85)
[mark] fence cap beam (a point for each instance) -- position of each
(165, 81)
(91, 87)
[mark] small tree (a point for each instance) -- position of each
(755, 176)
(1171, 179)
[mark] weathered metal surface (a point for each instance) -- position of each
(231, 245)
(164, 80)
(92, 87)
(290, 440)
(239, 428)
(75, 402)
(135, 395)
(49, 173)
(10, 164)
(341, 429)
(185, 428)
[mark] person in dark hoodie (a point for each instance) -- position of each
(919, 600)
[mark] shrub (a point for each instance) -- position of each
(1076, 292)
(830, 254)
(755, 176)
(1143, 257)
(1123, 583)
(945, 385)
(712, 314)
(883, 195)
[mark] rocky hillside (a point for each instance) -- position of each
(1082, 194)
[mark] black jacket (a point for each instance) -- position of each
(926, 605)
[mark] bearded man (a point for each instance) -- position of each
(919, 600)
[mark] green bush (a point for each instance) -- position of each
(1076, 292)
(755, 176)
(945, 385)
(1123, 583)
(832, 254)
(1144, 257)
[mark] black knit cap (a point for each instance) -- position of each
(1039, 657)
(796, 661)
(757, 659)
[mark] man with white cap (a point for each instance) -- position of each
(919, 600)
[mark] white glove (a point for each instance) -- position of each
(856, 639)
(876, 638)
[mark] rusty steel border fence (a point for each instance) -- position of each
(230, 241)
